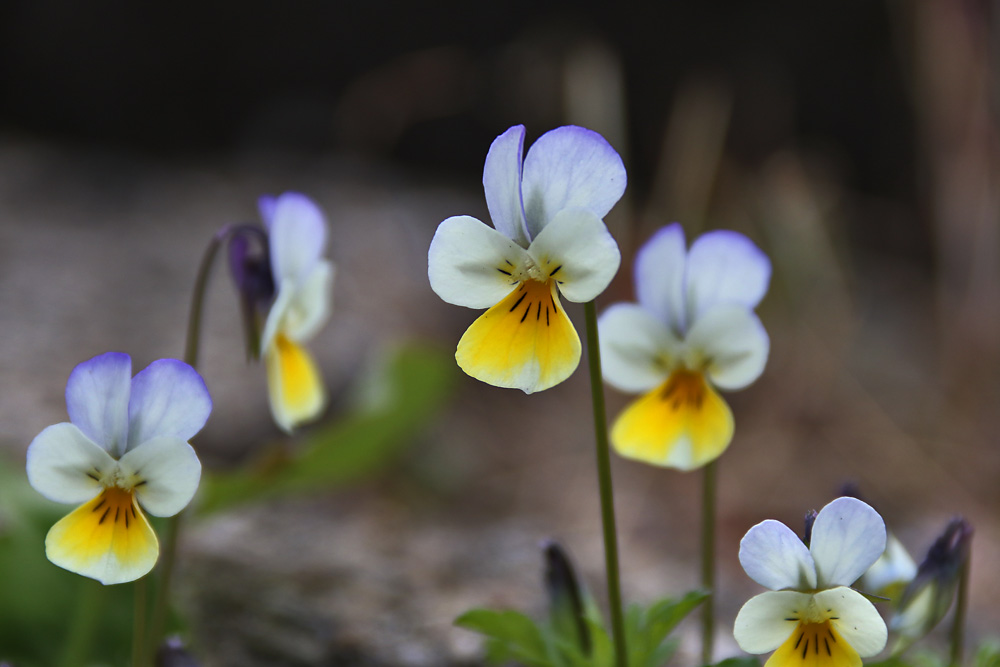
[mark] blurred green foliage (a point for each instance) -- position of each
(397, 402)
(513, 636)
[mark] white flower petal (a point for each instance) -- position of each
(659, 276)
(310, 305)
(731, 343)
(297, 236)
(761, 624)
(725, 267)
(471, 264)
(169, 399)
(855, 619)
(570, 167)
(63, 464)
(776, 558)
(502, 184)
(97, 394)
(847, 538)
(276, 314)
(895, 567)
(637, 350)
(577, 251)
(171, 472)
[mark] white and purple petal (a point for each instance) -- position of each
(578, 252)
(502, 184)
(570, 167)
(297, 236)
(725, 267)
(768, 619)
(97, 396)
(471, 264)
(66, 466)
(776, 558)
(311, 304)
(169, 472)
(659, 276)
(731, 344)
(266, 205)
(638, 351)
(169, 399)
(847, 538)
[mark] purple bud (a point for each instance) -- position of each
(173, 654)
(566, 599)
(937, 577)
(810, 519)
(250, 267)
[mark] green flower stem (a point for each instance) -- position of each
(958, 622)
(604, 480)
(89, 606)
(191, 344)
(708, 495)
(140, 652)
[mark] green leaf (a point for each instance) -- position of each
(519, 636)
(646, 629)
(988, 654)
(404, 398)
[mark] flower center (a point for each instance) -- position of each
(115, 505)
(684, 388)
(815, 645)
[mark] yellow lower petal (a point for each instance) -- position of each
(681, 424)
(815, 645)
(107, 538)
(294, 383)
(524, 342)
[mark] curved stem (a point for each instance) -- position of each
(604, 482)
(191, 344)
(958, 622)
(708, 561)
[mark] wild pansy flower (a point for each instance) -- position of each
(693, 329)
(302, 281)
(124, 450)
(810, 615)
(548, 239)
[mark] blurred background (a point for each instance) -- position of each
(855, 142)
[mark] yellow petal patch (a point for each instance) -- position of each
(524, 342)
(681, 424)
(107, 538)
(815, 645)
(294, 383)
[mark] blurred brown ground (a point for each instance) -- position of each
(883, 315)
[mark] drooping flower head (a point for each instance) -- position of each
(929, 595)
(548, 239)
(811, 615)
(693, 329)
(302, 283)
(124, 450)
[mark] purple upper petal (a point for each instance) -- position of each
(169, 399)
(570, 167)
(502, 184)
(725, 267)
(659, 276)
(97, 400)
(266, 205)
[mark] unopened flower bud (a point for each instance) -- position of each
(927, 598)
(250, 267)
(566, 598)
